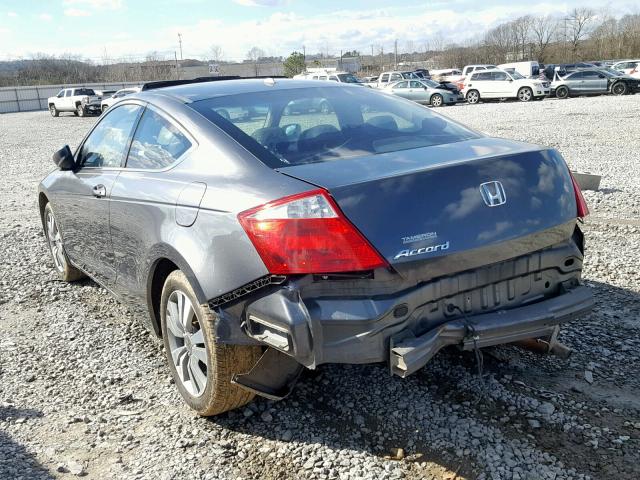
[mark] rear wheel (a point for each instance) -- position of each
(562, 92)
(201, 367)
(67, 272)
(619, 88)
(525, 94)
(80, 110)
(437, 100)
(473, 96)
(53, 111)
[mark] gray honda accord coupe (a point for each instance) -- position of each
(257, 239)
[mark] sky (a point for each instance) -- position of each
(98, 29)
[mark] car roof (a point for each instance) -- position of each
(193, 92)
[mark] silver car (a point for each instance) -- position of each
(427, 92)
(594, 82)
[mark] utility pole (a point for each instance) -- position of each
(395, 53)
(175, 56)
(340, 63)
(304, 53)
(180, 42)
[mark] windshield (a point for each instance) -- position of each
(431, 83)
(318, 124)
(348, 78)
(409, 75)
(516, 75)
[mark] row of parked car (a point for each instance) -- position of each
(86, 101)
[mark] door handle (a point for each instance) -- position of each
(99, 191)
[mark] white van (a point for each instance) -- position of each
(526, 69)
(327, 74)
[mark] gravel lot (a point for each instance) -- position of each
(84, 390)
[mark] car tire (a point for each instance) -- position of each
(80, 110)
(201, 367)
(619, 88)
(67, 272)
(437, 100)
(562, 92)
(53, 111)
(525, 94)
(473, 96)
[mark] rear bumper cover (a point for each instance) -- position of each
(318, 321)
(504, 326)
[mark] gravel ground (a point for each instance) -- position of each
(84, 390)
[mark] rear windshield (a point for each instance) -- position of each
(319, 124)
(84, 91)
(348, 78)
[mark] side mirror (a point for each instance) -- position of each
(63, 159)
(600, 76)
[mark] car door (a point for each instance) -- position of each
(146, 198)
(87, 190)
(417, 91)
(401, 89)
(501, 85)
(481, 81)
(575, 82)
(67, 104)
(593, 82)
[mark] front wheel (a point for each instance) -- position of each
(619, 88)
(67, 272)
(201, 367)
(473, 96)
(562, 92)
(437, 100)
(80, 110)
(525, 94)
(53, 111)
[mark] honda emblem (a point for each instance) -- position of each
(493, 193)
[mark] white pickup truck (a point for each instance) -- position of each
(81, 101)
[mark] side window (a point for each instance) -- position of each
(157, 143)
(384, 78)
(590, 75)
(415, 84)
(400, 85)
(107, 144)
(499, 76)
(67, 93)
(480, 68)
(333, 78)
(395, 76)
(577, 76)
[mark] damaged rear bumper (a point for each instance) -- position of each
(504, 326)
(315, 320)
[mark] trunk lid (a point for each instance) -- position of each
(420, 205)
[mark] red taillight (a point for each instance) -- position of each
(581, 203)
(307, 233)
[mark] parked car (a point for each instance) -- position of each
(628, 67)
(81, 101)
(526, 69)
(594, 82)
(469, 69)
(447, 75)
(426, 92)
(498, 84)
(385, 78)
(335, 76)
(422, 73)
(381, 234)
(110, 100)
(564, 68)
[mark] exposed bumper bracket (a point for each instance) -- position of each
(531, 321)
(273, 376)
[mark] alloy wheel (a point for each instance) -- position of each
(472, 97)
(524, 95)
(55, 242)
(186, 343)
(436, 101)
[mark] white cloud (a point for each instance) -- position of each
(76, 12)
(259, 3)
(12, 14)
(45, 16)
(95, 4)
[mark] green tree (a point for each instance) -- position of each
(294, 64)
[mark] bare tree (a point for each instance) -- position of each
(543, 30)
(499, 42)
(580, 20)
(254, 55)
(215, 53)
(521, 27)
